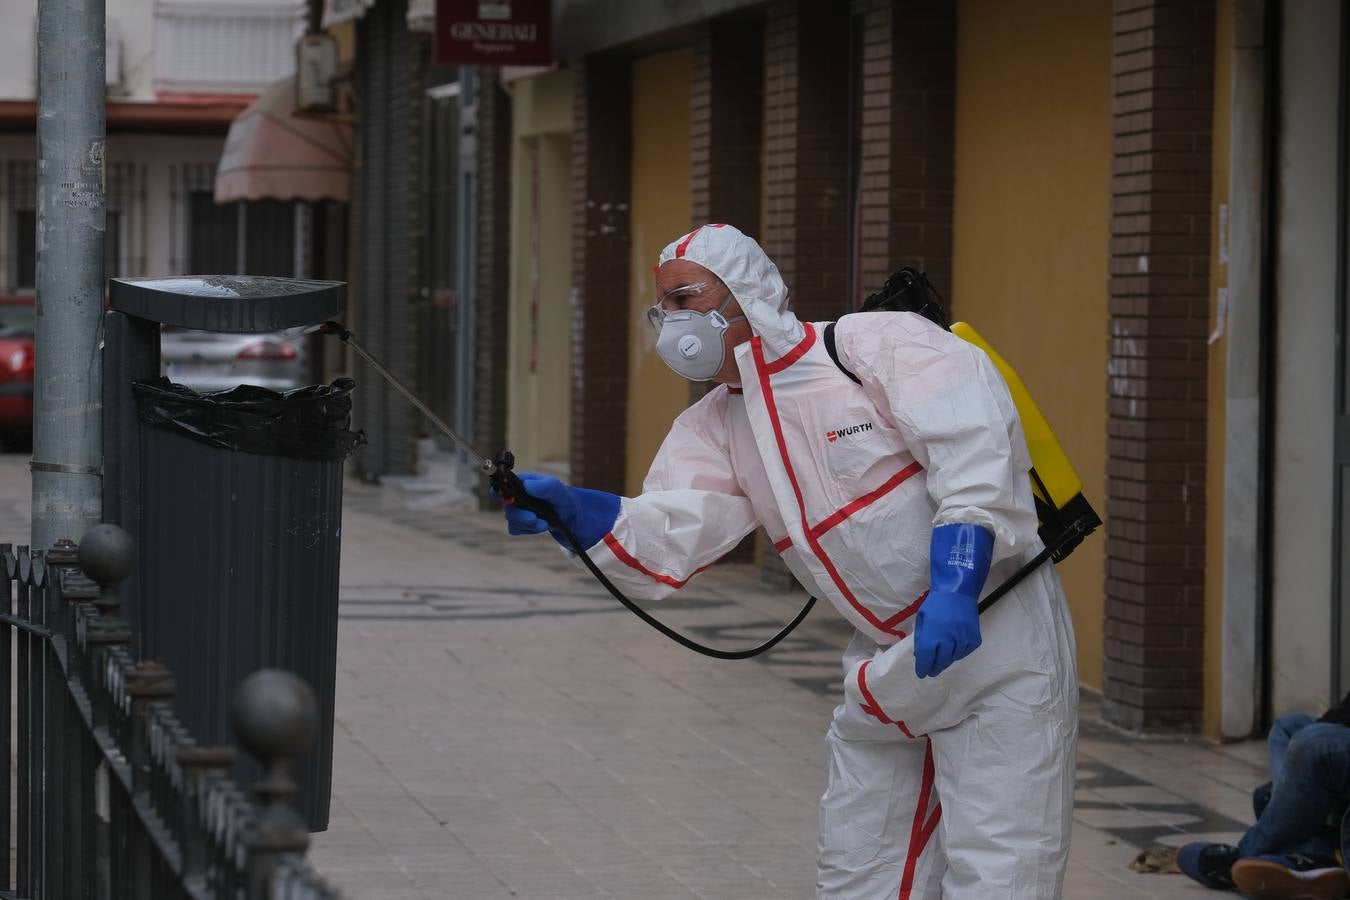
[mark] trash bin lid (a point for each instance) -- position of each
(233, 303)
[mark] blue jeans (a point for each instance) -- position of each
(1281, 733)
(1310, 763)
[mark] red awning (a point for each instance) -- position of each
(274, 153)
(168, 114)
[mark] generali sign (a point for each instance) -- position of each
(493, 33)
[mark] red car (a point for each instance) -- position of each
(16, 369)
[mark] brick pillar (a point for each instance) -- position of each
(601, 164)
(1163, 61)
(806, 178)
(806, 168)
(725, 141)
(391, 75)
(726, 131)
(726, 124)
(491, 270)
(908, 140)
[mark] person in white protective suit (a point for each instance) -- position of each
(902, 499)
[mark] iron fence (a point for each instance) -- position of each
(109, 796)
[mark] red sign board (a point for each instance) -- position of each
(493, 33)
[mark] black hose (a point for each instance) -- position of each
(507, 484)
(515, 491)
(510, 488)
(672, 633)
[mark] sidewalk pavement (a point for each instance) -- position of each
(505, 729)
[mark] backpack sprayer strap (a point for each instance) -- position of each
(834, 353)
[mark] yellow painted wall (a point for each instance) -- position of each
(542, 104)
(344, 33)
(1032, 229)
(539, 394)
(660, 212)
(1218, 360)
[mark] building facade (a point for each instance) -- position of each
(178, 73)
(1141, 204)
(851, 140)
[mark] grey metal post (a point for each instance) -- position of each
(68, 384)
(1246, 490)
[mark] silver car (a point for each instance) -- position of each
(212, 361)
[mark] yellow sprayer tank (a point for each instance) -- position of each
(1065, 515)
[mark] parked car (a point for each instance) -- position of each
(16, 369)
(214, 361)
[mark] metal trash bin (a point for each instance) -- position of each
(235, 502)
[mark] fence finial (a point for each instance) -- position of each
(275, 716)
(107, 555)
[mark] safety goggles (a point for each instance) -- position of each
(657, 314)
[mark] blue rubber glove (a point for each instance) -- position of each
(589, 514)
(947, 627)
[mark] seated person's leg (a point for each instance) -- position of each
(1312, 764)
(1312, 780)
(1277, 742)
(1281, 733)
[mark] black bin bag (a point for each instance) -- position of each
(307, 423)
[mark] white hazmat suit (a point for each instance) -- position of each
(958, 786)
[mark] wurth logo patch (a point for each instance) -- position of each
(847, 431)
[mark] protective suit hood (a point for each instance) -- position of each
(746, 269)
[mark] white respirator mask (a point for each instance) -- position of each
(691, 342)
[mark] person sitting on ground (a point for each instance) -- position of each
(1292, 850)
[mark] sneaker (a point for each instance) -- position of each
(1209, 864)
(1291, 876)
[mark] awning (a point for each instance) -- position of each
(337, 11)
(165, 114)
(273, 153)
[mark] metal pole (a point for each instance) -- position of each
(68, 383)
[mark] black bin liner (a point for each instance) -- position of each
(242, 528)
(308, 423)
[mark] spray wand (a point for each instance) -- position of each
(500, 471)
